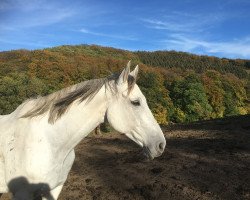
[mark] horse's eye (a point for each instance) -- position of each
(136, 103)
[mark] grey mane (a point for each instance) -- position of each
(59, 102)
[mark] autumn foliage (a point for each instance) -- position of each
(179, 87)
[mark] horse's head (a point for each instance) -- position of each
(129, 113)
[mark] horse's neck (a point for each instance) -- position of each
(80, 120)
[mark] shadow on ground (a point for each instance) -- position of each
(199, 163)
(21, 189)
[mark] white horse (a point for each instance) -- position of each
(37, 140)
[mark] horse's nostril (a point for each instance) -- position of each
(161, 146)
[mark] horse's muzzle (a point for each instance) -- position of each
(157, 151)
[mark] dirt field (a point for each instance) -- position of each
(206, 160)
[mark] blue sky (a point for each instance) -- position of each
(216, 27)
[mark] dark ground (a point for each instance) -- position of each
(204, 160)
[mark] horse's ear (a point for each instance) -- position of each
(124, 75)
(134, 73)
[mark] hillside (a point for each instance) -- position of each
(173, 59)
(180, 87)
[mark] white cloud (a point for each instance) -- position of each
(235, 48)
(32, 13)
(84, 30)
(167, 25)
(193, 33)
(47, 18)
(182, 22)
(122, 37)
(25, 43)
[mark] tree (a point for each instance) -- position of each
(215, 92)
(16, 88)
(235, 95)
(190, 100)
(152, 85)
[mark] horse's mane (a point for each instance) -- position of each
(59, 102)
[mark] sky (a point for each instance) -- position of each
(216, 27)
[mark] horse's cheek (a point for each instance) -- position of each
(115, 118)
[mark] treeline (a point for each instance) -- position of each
(174, 93)
(173, 59)
(187, 96)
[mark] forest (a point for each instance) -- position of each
(179, 87)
